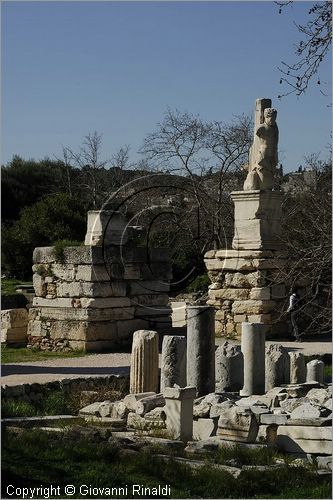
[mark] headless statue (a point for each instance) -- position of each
(263, 158)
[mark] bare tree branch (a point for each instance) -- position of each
(311, 50)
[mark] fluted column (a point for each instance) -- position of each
(144, 362)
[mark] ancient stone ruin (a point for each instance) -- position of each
(93, 297)
(247, 283)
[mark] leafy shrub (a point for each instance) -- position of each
(60, 245)
(200, 283)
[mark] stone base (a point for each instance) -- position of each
(14, 324)
(94, 297)
(257, 220)
(249, 286)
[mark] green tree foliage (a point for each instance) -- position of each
(26, 181)
(54, 217)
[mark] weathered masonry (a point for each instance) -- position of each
(250, 281)
(94, 297)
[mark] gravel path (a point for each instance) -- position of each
(106, 364)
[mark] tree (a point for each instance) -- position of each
(311, 50)
(54, 217)
(24, 182)
(88, 159)
(209, 156)
(306, 233)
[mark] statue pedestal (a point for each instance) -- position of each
(249, 282)
(257, 220)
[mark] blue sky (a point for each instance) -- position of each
(69, 68)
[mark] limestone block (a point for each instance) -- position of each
(14, 335)
(148, 403)
(179, 411)
(257, 219)
(43, 255)
(262, 293)
(173, 366)
(79, 314)
(253, 306)
(144, 362)
(82, 289)
(150, 299)
(106, 227)
(61, 302)
(297, 368)
(218, 409)
(233, 264)
(131, 400)
(229, 294)
(250, 253)
(148, 287)
(39, 285)
(178, 313)
(134, 421)
(312, 422)
(201, 409)
(14, 318)
(259, 318)
(319, 396)
(35, 328)
(149, 272)
(157, 414)
(210, 254)
(229, 367)
(83, 255)
(306, 410)
(134, 254)
(245, 280)
(132, 271)
(298, 439)
(82, 330)
(92, 409)
(289, 405)
(236, 424)
(203, 428)
(315, 371)
(324, 462)
(267, 434)
(105, 302)
(98, 272)
(238, 318)
(63, 272)
(269, 419)
(180, 393)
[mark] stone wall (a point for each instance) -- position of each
(94, 297)
(247, 287)
(34, 391)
